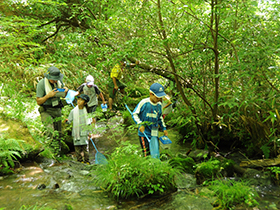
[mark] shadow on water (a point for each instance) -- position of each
(60, 185)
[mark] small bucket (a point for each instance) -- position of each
(165, 142)
(104, 107)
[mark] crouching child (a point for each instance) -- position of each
(81, 128)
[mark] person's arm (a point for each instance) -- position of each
(162, 124)
(132, 65)
(166, 101)
(102, 98)
(80, 89)
(136, 115)
(168, 104)
(98, 92)
(70, 118)
(41, 100)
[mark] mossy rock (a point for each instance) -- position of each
(15, 129)
(206, 171)
(227, 167)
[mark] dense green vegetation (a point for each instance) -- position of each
(125, 176)
(219, 59)
(231, 193)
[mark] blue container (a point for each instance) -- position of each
(165, 142)
(61, 89)
(104, 107)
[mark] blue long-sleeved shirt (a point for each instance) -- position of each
(147, 111)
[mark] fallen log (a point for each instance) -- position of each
(260, 162)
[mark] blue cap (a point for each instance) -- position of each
(158, 90)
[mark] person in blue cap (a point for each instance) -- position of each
(148, 115)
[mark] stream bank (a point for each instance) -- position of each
(68, 184)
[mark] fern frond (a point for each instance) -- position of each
(9, 151)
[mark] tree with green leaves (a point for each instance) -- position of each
(223, 57)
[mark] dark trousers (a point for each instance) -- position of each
(145, 145)
(51, 119)
(79, 149)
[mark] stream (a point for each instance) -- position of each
(68, 184)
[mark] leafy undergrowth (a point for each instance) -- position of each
(231, 193)
(128, 174)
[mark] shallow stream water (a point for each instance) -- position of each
(67, 184)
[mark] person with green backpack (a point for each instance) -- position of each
(148, 115)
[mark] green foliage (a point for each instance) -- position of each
(231, 193)
(266, 150)
(213, 168)
(127, 118)
(185, 123)
(9, 151)
(231, 74)
(185, 164)
(275, 174)
(274, 169)
(5, 170)
(128, 174)
(36, 207)
(207, 171)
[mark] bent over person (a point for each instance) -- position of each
(48, 98)
(115, 84)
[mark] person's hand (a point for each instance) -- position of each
(66, 89)
(142, 128)
(52, 93)
(116, 87)
(165, 132)
(66, 120)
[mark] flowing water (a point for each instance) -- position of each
(67, 184)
